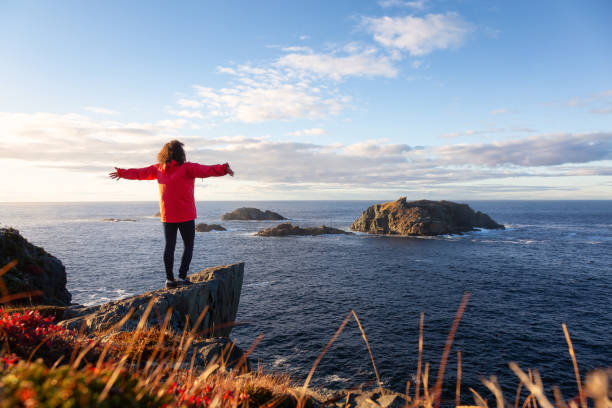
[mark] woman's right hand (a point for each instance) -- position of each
(114, 174)
(229, 170)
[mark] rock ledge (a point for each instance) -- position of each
(216, 290)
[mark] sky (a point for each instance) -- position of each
(315, 100)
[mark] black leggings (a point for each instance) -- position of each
(187, 230)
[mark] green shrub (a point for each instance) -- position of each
(35, 385)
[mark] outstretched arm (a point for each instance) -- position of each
(201, 171)
(145, 173)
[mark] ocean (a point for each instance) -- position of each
(552, 265)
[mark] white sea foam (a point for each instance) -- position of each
(279, 361)
(335, 378)
(264, 283)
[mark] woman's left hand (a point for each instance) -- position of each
(229, 170)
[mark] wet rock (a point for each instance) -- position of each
(248, 213)
(201, 227)
(218, 350)
(215, 290)
(422, 218)
(372, 399)
(36, 271)
(286, 229)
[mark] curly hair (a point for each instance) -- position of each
(173, 150)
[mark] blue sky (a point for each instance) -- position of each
(310, 100)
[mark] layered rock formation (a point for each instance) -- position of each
(283, 230)
(214, 290)
(422, 218)
(248, 213)
(201, 227)
(35, 271)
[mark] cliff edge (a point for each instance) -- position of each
(216, 290)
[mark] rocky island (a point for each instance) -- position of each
(286, 229)
(201, 227)
(422, 218)
(249, 213)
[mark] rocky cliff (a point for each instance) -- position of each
(248, 213)
(422, 218)
(216, 290)
(35, 271)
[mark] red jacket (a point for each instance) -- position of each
(176, 183)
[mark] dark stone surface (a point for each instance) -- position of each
(422, 218)
(248, 213)
(214, 290)
(285, 229)
(221, 351)
(201, 227)
(36, 270)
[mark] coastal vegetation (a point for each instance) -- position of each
(45, 365)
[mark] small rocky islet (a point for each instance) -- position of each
(251, 214)
(202, 227)
(422, 218)
(286, 229)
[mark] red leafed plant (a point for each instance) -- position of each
(29, 334)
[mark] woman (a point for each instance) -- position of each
(175, 177)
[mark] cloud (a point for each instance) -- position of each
(302, 83)
(308, 132)
(40, 137)
(189, 103)
(297, 49)
(533, 151)
(599, 103)
(500, 111)
(607, 111)
(99, 110)
(417, 4)
(255, 101)
(186, 113)
(299, 84)
(419, 35)
(367, 63)
(80, 144)
(376, 148)
(472, 132)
